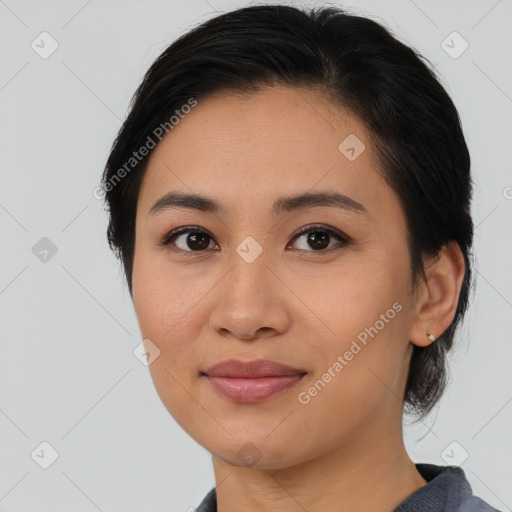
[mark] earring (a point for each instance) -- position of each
(430, 336)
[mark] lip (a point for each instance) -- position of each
(257, 368)
(252, 381)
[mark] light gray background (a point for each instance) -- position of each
(68, 375)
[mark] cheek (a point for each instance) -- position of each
(165, 314)
(161, 300)
(366, 295)
(356, 381)
(368, 317)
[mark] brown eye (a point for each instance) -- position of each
(319, 237)
(197, 241)
(188, 239)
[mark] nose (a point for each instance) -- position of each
(251, 301)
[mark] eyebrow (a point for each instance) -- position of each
(175, 199)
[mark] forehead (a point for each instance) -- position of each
(276, 142)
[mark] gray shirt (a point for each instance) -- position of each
(447, 490)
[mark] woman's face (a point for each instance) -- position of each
(246, 287)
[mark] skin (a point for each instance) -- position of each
(344, 449)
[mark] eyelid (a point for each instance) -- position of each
(342, 237)
(322, 227)
(170, 236)
(184, 229)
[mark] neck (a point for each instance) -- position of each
(372, 472)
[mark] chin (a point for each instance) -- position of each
(255, 453)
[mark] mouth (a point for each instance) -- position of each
(252, 381)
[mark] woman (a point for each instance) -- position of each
(290, 198)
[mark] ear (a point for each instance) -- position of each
(437, 298)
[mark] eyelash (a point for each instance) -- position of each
(344, 240)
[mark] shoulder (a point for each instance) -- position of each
(476, 504)
(447, 490)
(209, 503)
